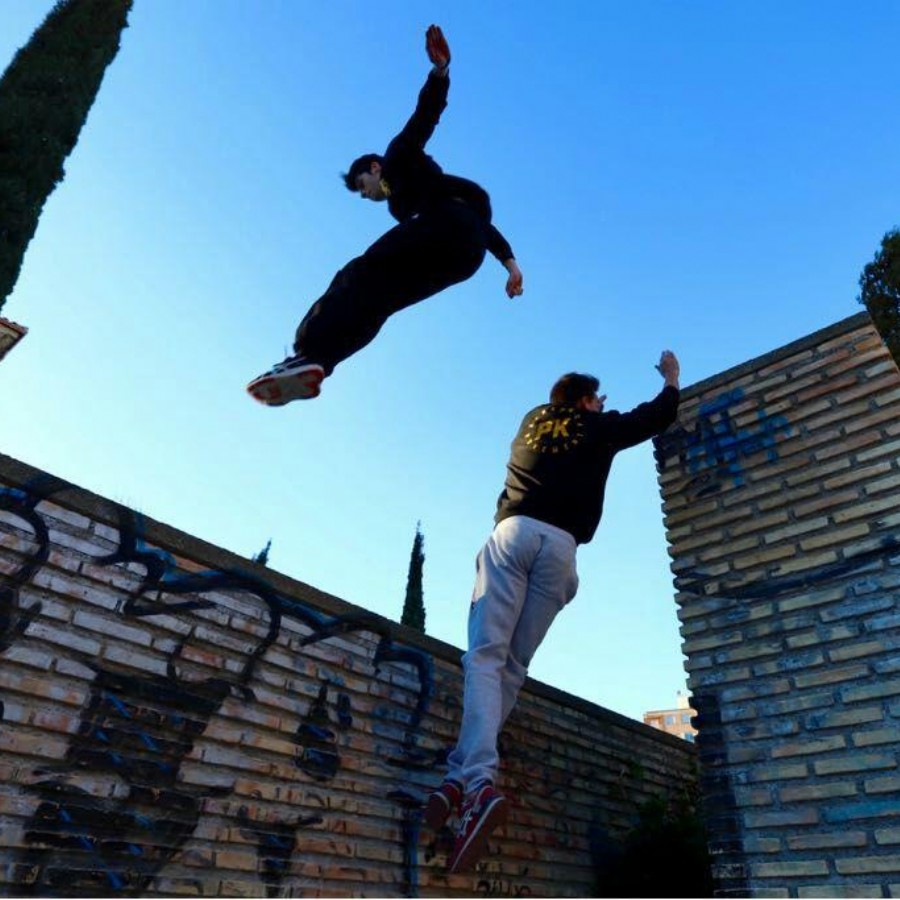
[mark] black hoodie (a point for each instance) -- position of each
(561, 458)
(417, 183)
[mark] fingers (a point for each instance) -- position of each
(436, 46)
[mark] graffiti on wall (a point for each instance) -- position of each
(275, 845)
(714, 449)
(117, 802)
(697, 580)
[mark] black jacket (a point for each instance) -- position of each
(417, 183)
(561, 458)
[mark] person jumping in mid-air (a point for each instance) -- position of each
(445, 229)
(551, 502)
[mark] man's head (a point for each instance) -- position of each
(580, 391)
(364, 177)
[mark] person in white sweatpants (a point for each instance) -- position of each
(552, 501)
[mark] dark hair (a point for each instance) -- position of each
(357, 167)
(572, 387)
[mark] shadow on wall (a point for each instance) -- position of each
(664, 855)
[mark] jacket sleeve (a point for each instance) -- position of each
(431, 103)
(644, 421)
(498, 245)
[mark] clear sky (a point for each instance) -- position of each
(702, 176)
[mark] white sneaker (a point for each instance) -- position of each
(296, 378)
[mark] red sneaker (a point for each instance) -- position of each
(442, 803)
(483, 810)
(294, 379)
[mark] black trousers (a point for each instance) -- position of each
(412, 261)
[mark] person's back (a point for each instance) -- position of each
(562, 453)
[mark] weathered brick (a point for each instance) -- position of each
(831, 676)
(755, 844)
(827, 500)
(854, 651)
(855, 608)
(818, 791)
(827, 840)
(858, 444)
(814, 474)
(805, 563)
(796, 703)
(782, 818)
(752, 692)
(857, 762)
(844, 718)
(763, 557)
(867, 510)
(886, 688)
(821, 636)
(806, 747)
(113, 627)
(867, 865)
(753, 796)
(854, 476)
(866, 809)
(789, 869)
(758, 523)
(878, 736)
(884, 785)
(833, 537)
(74, 542)
(841, 891)
(887, 835)
(789, 662)
(729, 548)
(804, 600)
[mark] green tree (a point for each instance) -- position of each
(45, 95)
(414, 605)
(263, 556)
(880, 291)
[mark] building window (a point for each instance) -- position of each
(670, 720)
(688, 737)
(685, 718)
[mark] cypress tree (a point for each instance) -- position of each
(880, 291)
(263, 556)
(414, 605)
(45, 95)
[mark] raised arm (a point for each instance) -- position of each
(655, 416)
(433, 96)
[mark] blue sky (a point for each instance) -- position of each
(707, 177)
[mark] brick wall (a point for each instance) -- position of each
(177, 720)
(780, 484)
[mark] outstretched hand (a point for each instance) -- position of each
(436, 47)
(669, 368)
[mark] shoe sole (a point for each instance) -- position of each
(475, 847)
(437, 811)
(277, 390)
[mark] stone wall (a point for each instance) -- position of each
(178, 720)
(781, 490)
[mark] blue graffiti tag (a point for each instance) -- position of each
(716, 442)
